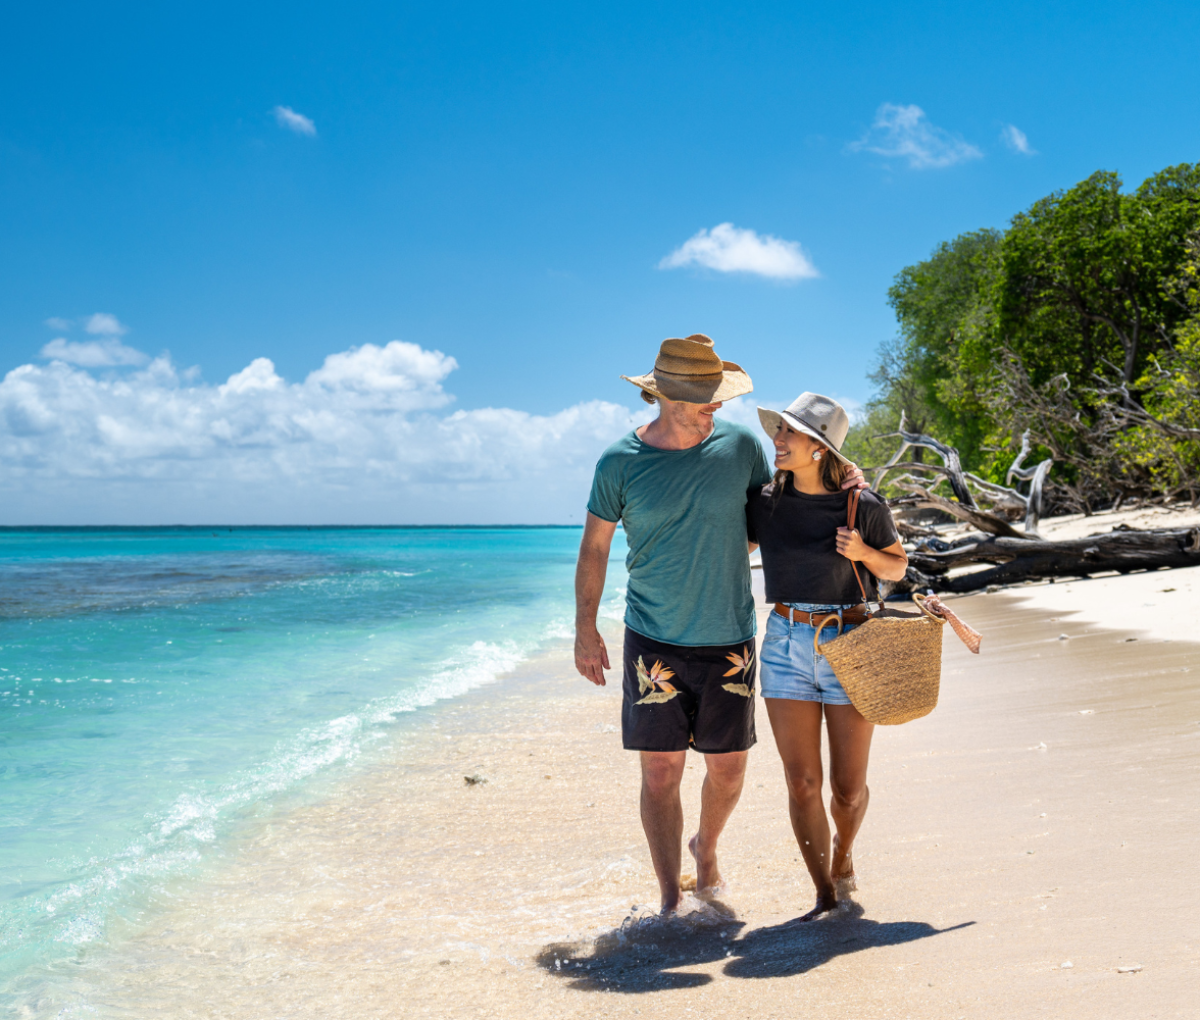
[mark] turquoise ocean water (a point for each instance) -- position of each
(159, 685)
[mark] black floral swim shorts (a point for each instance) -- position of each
(676, 697)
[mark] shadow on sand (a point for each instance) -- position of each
(645, 955)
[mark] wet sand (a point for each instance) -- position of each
(1024, 843)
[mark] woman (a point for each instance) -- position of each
(808, 554)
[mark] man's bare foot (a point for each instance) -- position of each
(842, 868)
(708, 875)
(826, 902)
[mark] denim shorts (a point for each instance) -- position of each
(790, 667)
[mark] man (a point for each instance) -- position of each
(679, 486)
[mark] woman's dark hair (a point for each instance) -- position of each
(833, 473)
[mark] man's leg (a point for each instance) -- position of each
(718, 797)
(662, 818)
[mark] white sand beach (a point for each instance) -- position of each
(1029, 851)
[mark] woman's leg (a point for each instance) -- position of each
(849, 749)
(797, 729)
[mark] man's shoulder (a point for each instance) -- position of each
(734, 439)
(734, 430)
(624, 447)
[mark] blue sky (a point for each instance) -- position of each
(506, 185)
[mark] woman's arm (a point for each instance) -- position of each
(889, 564)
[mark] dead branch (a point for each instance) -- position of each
(949, 455)
(984, 521)
(1131, 411)
(998, 495)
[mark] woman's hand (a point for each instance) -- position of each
(851, 545)
(888, 564)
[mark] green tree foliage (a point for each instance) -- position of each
(920, 372)
(1164, 441)
(1076, 322)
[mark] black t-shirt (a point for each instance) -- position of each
(798, 537)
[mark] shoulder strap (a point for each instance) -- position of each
(851, 513)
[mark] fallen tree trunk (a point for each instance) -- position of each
(1023, 559)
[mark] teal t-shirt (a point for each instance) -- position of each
(684, 513)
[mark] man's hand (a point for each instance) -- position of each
(854, 478)
(591, 655)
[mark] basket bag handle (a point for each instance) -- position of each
(851, 513)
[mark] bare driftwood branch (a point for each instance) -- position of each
(999, 495)
(1123, 549)
(1132, 411)
(895, 459)
(1033, 508)
(984, 521)
(1036, 476)
(1015, 468)
(949, 455)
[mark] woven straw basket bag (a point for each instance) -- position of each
(890, 666)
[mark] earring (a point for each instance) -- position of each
(816, 455)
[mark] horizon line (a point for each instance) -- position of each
(266, 527)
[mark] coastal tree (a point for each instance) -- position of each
(1073, 325)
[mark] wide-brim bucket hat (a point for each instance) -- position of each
(823, 418)
(688, 369)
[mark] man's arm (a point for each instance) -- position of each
(591, 657)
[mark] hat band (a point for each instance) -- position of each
(679, 366)
(687, 376)
(828, 440)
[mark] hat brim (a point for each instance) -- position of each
(771, 420)
(695, 389)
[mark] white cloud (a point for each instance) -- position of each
(360, 440)
(104, 324)
(902, 132)
(54, 322)
(730, 249)
(1015, 139)
(93, 353)
(288, 118)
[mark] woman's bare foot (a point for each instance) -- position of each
(708, 875)
(842, 868)
(826, 902)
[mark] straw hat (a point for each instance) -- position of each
(823, 418)
(689, 370)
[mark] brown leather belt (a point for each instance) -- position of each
(853, 616)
